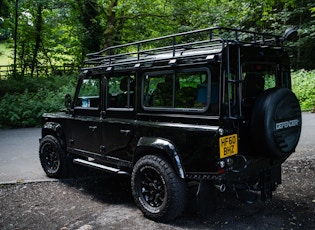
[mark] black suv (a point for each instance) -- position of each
(212, 106)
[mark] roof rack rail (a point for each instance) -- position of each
(195, 43)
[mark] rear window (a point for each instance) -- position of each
(258, 77)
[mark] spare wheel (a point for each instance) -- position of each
(276, 121)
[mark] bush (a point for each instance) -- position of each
(25, 109)
(303, 85)
(32, 85)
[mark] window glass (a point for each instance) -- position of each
(257, 78)
(89, 94)
(180, 90)
(120, 92)
(158, 90)
(193, 90)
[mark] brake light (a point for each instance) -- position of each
(221, 171)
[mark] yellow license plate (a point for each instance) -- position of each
(228, 145)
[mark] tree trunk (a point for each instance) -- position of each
(110, 31)
(15, 37)
(92, 35)
(38, 29)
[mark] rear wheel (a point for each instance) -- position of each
(52, 157)
(157, 189)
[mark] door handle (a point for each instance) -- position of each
(125, 131)
(93, 128)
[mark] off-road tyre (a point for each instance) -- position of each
(276, 122)
(157, 190)
(52, 157)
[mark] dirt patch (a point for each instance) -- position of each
(106, 203)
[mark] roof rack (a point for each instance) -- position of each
(193, 44)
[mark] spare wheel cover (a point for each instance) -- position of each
(276, 121)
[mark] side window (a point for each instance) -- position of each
(89, 94)
(176, 90)
(121, 92)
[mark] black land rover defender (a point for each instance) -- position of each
(212, 106)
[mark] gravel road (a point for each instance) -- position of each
(106, 203)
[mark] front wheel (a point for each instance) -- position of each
(52, 157)
(157, 189)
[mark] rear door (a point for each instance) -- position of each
(118, 126)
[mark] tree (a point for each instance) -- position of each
(46, 36)
(58, 31)
(91, 31)
(38, 35)
(301, 15)
(5, 9)
(111, 24)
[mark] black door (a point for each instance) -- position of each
(117, 127)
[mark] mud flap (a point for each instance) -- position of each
(206, 200)
(269, 180)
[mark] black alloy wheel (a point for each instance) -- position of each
(153, 187)
(50, 158)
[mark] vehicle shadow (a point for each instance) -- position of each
(280, 213)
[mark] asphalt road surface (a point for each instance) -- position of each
(19, 160)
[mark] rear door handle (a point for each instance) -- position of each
(125, 131)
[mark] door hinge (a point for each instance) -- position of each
(102, 149)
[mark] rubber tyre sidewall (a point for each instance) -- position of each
(176, 189)
(53, 142)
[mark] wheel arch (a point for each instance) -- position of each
(161, 146)
(54, 129)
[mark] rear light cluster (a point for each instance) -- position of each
(225, 164)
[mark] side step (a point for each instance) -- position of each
(99, 166)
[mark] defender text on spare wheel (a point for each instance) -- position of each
(211, 107)
(287, 124)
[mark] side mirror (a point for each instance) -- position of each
(68, 101)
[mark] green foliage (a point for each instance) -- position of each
(303, 85)
(33, 85)
(59, 31)
(5, 54)
(25, 108)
